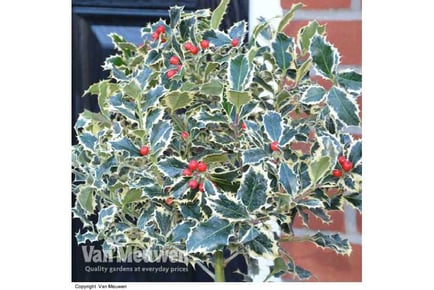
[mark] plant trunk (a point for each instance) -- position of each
(219, 266)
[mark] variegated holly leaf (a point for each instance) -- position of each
(355, 200)
(282, 48)
(238, 30)
(182, 230)
(229, 207)
(209, 235)
(254, 187)
(313, 95)
(122, 106)
(318, 168)
(355, 152)
(217, 38)
(172, 166)
(260, 246)
(175, 15)
(273, 125)
(152, 97)
(324, 55)
(86, 236)
(219, 13)
(286, 19)
(350, 80)
(126, 145)
(288, 179)
(86, 199)
(178, 100)
(160, 136)
(334, 242)
(343, 106)
(247, 233)
(306, 33)
(212, 88)
(163, 222)
(239, 73)
(298, 271)
(254, 156)
(105, 217)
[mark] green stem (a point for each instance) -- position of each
(219, 266)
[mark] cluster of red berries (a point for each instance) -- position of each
(193, 166)
(346, 165)
(174, 60)
(161, 29)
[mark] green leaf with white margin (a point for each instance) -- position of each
(318, 168)
(350, 80)
(179, 188)
(160, 136)
(153, 116)
(310, 203)
(178, 100)
(313, 95)
(288, 179)
(182, 230)
(247, 233)
(175, 15)
(239, 73)
(120, 105)
(343, 106)
(254, 156)
(104, 90)
(355, 200)
(261, 246)
(334, 242)
(254, 188)
(278, 269)
(305, 34)
(229, 207)
(288, 16)
(164, 221)
(303, 70)
(355, 152)
(213, 88)
(209, 188)
(214, 116)
(209, 235)
(217, 38)
(87, 140)
(152, 97)
(86, 199)
(273, 125)
(300, 272)
(219, 13)
(238, 30)
(86, 236)
(132, 89)
(238, 98)
(153, 57)
(172, 166)
(281, 47)
(125, 144)
(325, 57)
(105, 217)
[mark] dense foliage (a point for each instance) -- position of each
(205, 142)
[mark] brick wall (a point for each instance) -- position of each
(344, 30)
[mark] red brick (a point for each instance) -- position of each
(346, 36)
(317, 4)
(337, 224)
(325, 264)
(359, 221)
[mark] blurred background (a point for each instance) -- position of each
(93, 20)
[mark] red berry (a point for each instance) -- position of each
(274, 146)
(193, 184)
(235, 42)
(169, 201)
(188, 45)
(178, 67)
(144, 150)
(204, 44)
(186, 172)
(337, 173)
(194, 49)
(201, 166)
(243, 126)
(155, 35)
(161, 29)
(347, 165)
(342, 159)
(174, 60)
(184, 135)
(171, 73)
(193, 164)
(201, 186)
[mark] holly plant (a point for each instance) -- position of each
(211, 145)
